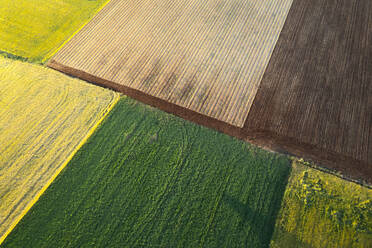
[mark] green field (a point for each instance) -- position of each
(322, 210)
(34, 29)
(149, 179)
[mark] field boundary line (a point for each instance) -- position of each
(12, 56)
(50, 54)
(115, 100)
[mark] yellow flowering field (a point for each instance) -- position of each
(44, 118)
(35, 29)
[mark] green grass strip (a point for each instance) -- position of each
(11, 56)
(149, 179)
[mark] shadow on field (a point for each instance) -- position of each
(255, 219)
(250, 217)
(284, 239)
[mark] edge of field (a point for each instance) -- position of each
(50, 54)
(339, 190)
(82, 142)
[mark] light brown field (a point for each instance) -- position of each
(205, 56)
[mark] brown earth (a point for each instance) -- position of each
(316, 94)
(315, 98)
(208, 56)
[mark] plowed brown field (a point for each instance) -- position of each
(205, 56)
(213, 62)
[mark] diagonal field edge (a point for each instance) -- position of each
(182, 155)
(82, 142)
(54, 51)
(152, 101)
(211, 62)
(314, 99)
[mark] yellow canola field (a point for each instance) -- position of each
(45, 117)
(34, 29)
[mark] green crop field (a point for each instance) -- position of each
(149, 179)
(322, 210)
(34, 29)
